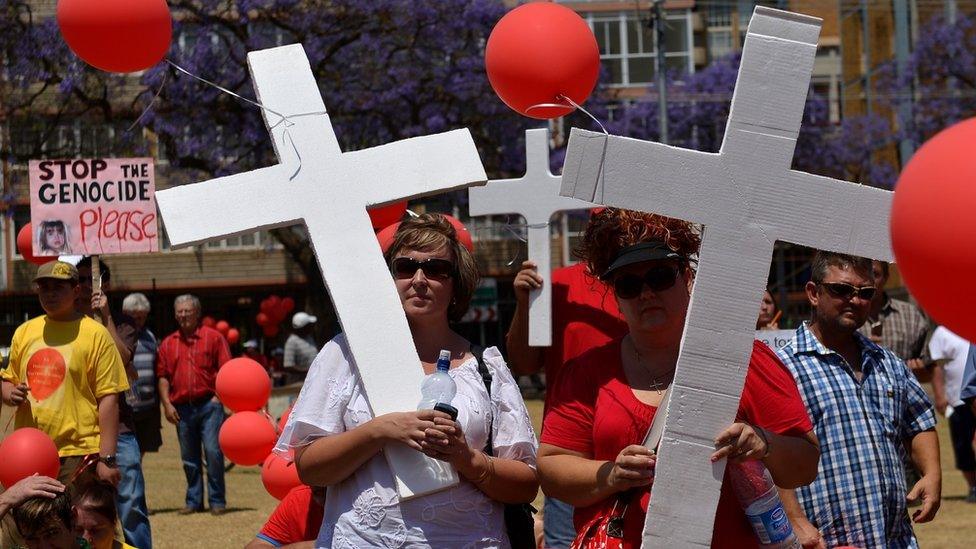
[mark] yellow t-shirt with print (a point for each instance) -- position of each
(68, 366)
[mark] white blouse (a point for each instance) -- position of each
(364, 510)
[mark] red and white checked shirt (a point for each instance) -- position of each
(190, 363)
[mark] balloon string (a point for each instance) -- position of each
(9, 421)
(287, 120)
(151, 103)
(586, 112)
(267, 416)
(510, 228)
(286, 135)
(225, 90)
(573, 104)
(89, 460)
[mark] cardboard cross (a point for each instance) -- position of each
(316, 183)
(535, 197)
(747, 197)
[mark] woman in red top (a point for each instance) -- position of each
(606, 399)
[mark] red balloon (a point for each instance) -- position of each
(262, 319)
(116, 35)
(288, 304)
(208, 321)
(284, 419)
(385, 215)
(538, 52)
(386, 235)
(270, 330)
(26, 247)
(932, 229)
(27, 451)
(247, 438)
(271, 307)
(222, 326)
(243, 385)
(279, 476)
(233, 336)
(281, 312)
(464, 236)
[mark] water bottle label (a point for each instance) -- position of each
(771, 526)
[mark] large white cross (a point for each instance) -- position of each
(316, 183)
(535, 197)
(747, 197)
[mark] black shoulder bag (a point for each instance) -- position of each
(519, 521)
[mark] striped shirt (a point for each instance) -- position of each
(858, 497)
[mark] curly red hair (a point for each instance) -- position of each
(612, 229)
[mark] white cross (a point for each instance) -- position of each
(535, 197)
(747, 197)
(316, 183)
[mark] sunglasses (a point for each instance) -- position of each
(660, 278)
(846, 291)
(434, 268)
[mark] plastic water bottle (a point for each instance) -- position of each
(438, 386)
(757, 493)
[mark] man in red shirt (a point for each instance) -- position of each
(187, 368)
(584, 317)
(295, 522)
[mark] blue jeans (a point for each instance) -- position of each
(131, 498)
(199, 425)
(557, 523)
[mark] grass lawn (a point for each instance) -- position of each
(249, 505)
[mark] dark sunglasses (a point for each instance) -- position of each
(846, 291)
(660, 278)
(437, 269)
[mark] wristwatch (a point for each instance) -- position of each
(109, 460)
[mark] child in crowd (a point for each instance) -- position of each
(41, 509)
(95, 516)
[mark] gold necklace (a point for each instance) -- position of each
(656, 382)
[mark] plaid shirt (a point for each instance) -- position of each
(858, 497)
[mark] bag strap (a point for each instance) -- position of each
(478, 351)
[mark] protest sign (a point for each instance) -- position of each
(93, 206)
(775, 339)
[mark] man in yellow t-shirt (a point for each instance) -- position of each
(65, 375)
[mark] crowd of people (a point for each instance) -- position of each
(837, 416)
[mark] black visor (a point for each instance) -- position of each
(637, 253)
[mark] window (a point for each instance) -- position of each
(719, 31)
(726, 26)
(627, 45)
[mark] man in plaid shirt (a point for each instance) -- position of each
(867, 409)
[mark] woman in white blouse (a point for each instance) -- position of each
(337, 442)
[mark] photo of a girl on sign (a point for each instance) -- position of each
(53, 238)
